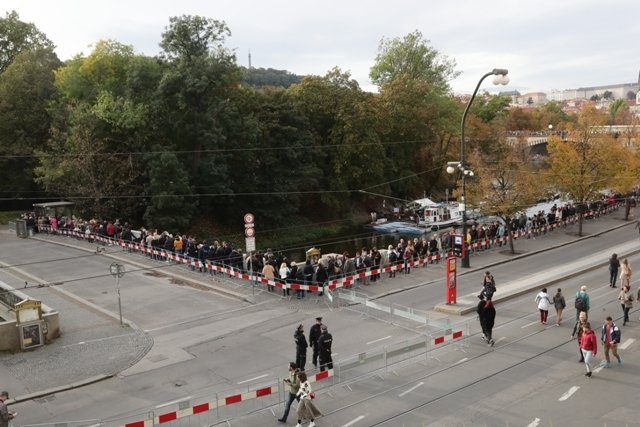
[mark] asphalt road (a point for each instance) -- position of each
(206, 343)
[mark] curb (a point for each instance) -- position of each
(70, 386)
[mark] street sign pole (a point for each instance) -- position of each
(117, 271)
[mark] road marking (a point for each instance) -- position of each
(598, 369)
(461, 361)
(568, 394)
(352, 422)
(500, 339)
(534, 423)
(535, 322)
(173, 401)
(253, 379)
(626, 344)
(411, 389)
(379, 339)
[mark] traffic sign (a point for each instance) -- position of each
(250, 242)
(248, 218)
(250, 232)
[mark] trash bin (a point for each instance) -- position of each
(21, 228)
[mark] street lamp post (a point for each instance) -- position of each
(500, 78)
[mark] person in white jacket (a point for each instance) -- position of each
(542, 299)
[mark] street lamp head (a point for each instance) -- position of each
(450, 170)
(500, 71)
(550, 126)
(501, 79)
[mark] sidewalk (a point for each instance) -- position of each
(126, 347)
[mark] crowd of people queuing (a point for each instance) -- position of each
(417, 251)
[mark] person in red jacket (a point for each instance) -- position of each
(588, 345)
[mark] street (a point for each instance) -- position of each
(190, 342)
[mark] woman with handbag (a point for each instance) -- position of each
(306, 408)
(626, 300)
(625, 274)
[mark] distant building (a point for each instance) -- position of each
(618, 91)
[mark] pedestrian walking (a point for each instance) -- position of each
(294, 386)
(542, 299)
(625, 274)
(489, 320)
(581, 303)
(301, 347)
(306, 408)
(314, 334)
(626, 301)
(5, 415)
(589, 346)
(324, 349)
(610, 338)
(480, 310)
(559, 303)
(488, 285)
(577, 332)
(614, 265)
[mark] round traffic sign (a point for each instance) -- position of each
(250, 232)
(248, 218)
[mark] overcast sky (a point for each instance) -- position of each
(545, 44)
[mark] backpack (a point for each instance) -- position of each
(580, 303)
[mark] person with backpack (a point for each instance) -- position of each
(610, 338)
(581, 302)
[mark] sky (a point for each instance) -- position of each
(546, 44)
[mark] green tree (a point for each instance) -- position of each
(17, 36)
(195, 95)
(168, 200)
(102, 117)
(26, 88)
(348, 151)
(414, 58)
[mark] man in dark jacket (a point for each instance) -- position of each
(301, 347)
(314, 334)
(489, 313)
(324, 349)
(321, 277)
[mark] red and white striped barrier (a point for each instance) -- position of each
(226, 401)
(455, 335)
(332, 284)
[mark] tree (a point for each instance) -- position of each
(414, 58)
(26, 88)
(504, 184)
(103, 115)
(631, 95)
(607, 95)
(588, 161)
(17, 36)
(619, 112)
(348, 150)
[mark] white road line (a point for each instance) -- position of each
(626, 344)
(411, 389)
(253, 379)
(352, 422)
(534, 423)
(598, 369)
(461, 361)
(173, 401)
(535, 322)
(500, 339)
(568, 394)
(378, 340)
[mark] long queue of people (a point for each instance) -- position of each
(366, 265)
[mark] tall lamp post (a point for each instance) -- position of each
(500, 78)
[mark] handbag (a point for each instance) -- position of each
(312, 395)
